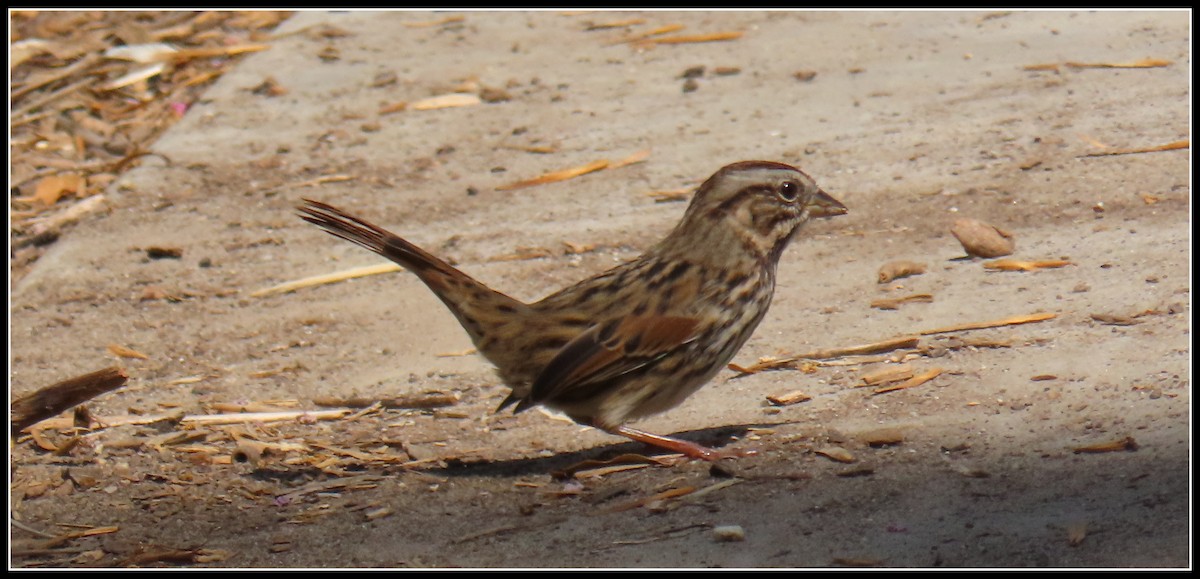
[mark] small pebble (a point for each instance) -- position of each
(729, 533)
(981, 239)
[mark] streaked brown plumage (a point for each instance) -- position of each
(640, 338)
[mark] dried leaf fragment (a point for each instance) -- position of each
(898, 269)
(981, 239)
(53, 187)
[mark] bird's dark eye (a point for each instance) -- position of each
(789, 190)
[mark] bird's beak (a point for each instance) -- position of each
(822, 205)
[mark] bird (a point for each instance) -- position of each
(640, 338)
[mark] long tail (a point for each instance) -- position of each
(469, 300)
(377, 239)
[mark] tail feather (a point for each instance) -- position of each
(468, 299)
(486, 314)
(375, 238)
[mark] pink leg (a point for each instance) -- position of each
(688, 449)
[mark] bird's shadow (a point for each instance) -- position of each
(558, 464)
(714, 437)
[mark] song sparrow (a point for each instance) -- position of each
(640, 338)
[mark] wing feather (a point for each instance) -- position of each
(607, 351)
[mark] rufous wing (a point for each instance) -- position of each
(606, 351)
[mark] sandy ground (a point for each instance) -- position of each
(912, 120)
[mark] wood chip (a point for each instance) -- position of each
(1115, 319)
(440, 22)
(243, 417)
(393, 108)
(467, 352)
(445, 101)
(137, 75)
(650, 33)
(216, 51)
(427, 400)
(37, 406)
(1173, 146)
(1124, 444)
(888, 374)
(1016, 320)
(157, 252)
(789, 361)
(54, 222)
(123, 352)
(694, 38)
(917, 380)
(622, 460)
(614, 24)
(317, 280)
(633, 159)
(835, 453)
(898, 269)
(1144, 63)
(667, 494)
(682, 194)
(793, 397)
(885, 436)
(1022, 265)
(607, 470)
(895, 303)
(556, 176)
